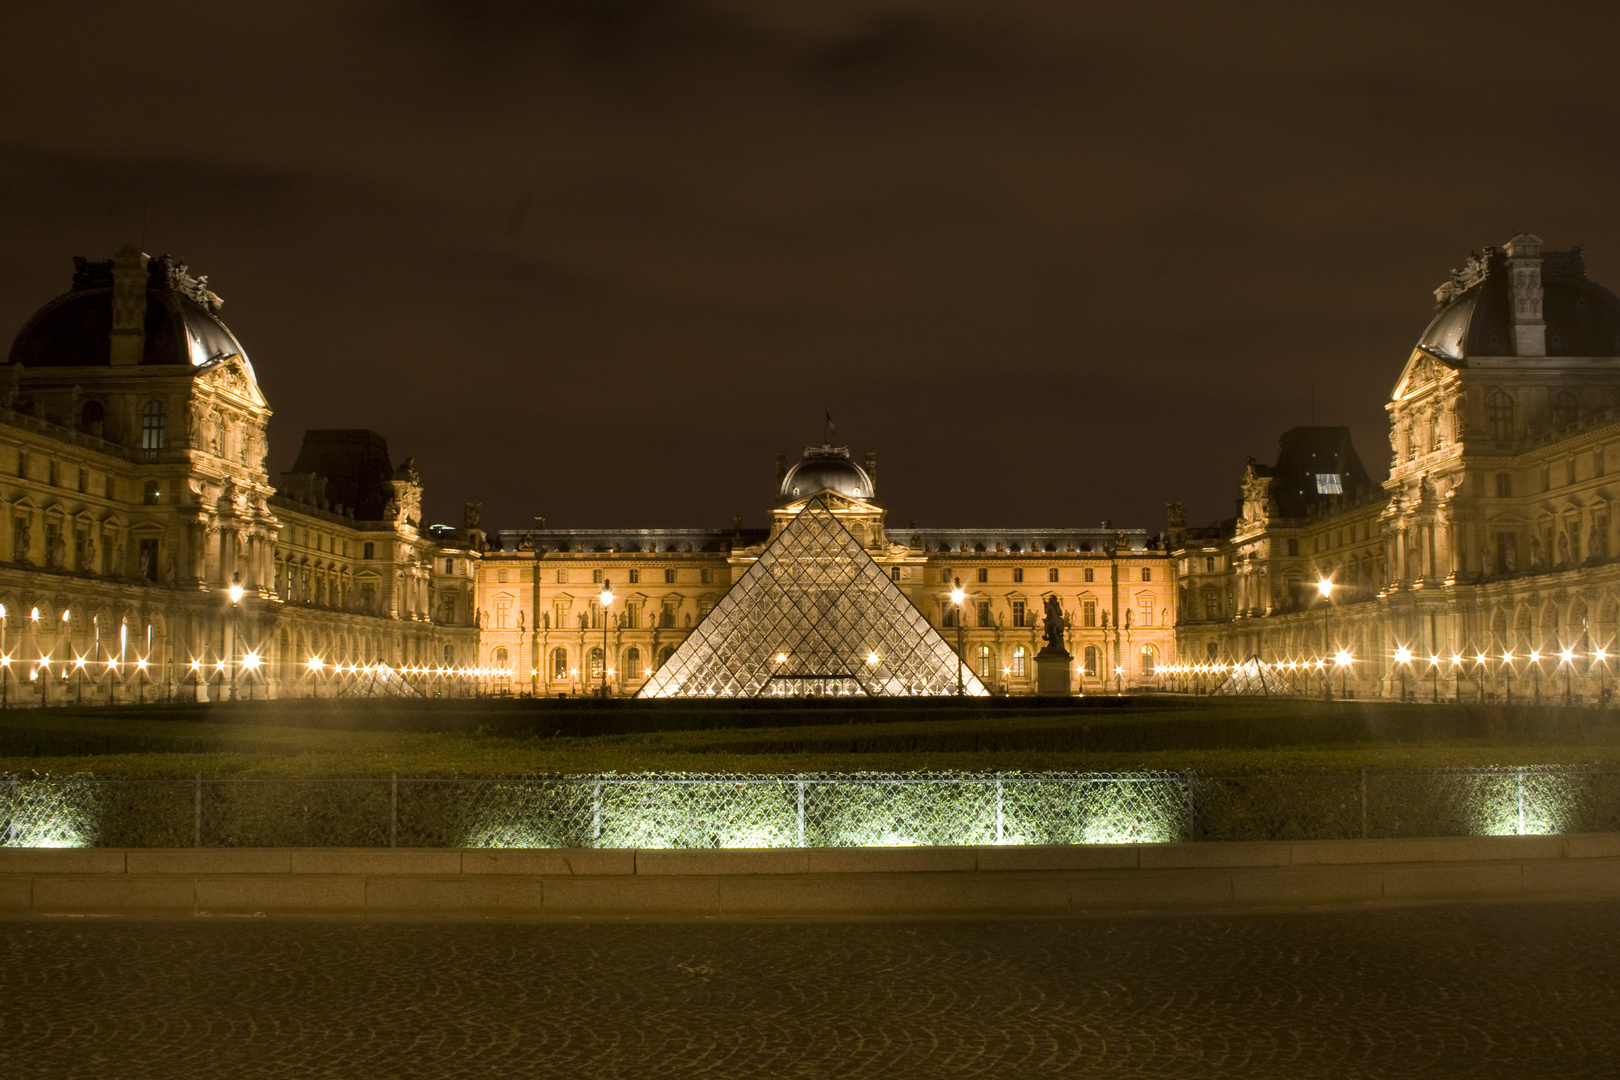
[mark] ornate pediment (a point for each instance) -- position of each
(231, 375)
(1423, 369)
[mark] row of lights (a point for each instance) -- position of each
(1401, 656)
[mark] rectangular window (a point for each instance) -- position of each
(109, 491)
(1091, 575)
(449, 566)
(22, 464)
(78, 552)
(1018, 613)
(704, 607)
(984, 575)
(706, 576)
(52, 476)
(152, 493)
(503, 614)
(632, 614)
(559, 614)
(500, 574)
(368, 550)
(945, 576)
(1507, 552)
(596, 577)
(84, 480)
(1089, 612)
(666, 614)
(635, 577)
(1018, 573)
(1209, 564)
(1052, 574)
(562, 577)
(51, 532)
(947, 613)
(894, 573)
(1329, 484)
(1146, 604)
(368, 596)
(1147, 573)
(984, 613)
(1212, 604)
(669, 577)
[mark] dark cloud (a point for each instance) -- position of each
(599, 261)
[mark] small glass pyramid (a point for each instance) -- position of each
(815, 616)
(1252, 678)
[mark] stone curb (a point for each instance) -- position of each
(894, 883)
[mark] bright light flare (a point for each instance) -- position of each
(251, 661)
(316, 663)
(1403, 655)
(1325, 587)
(1343, 658)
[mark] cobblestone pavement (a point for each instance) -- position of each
(1457, 991)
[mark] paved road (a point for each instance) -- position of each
(1460, 991)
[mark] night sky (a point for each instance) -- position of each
(1054, 262)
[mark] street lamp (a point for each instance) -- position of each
(235, 593)
(1324, 586)
(1434, 676)
(1566, 660)
(1535, 670)
(607, 600)
(1403, 656)
(957, 597)
(1343, 660)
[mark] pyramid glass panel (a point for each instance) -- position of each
(815, 616)
(1252, 678)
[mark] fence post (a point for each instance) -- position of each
(393, 808)
(801, 809)
(196, 813)
(1364, 804)
(1192, 808)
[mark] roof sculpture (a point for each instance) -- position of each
(814, 616)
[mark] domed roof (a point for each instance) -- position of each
(826, 468)
(1476, 316)
(182, 324)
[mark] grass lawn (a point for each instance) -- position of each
(1222, 736)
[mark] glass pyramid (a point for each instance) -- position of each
(1252, 678)
(815, 616)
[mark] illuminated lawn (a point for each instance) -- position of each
(1212, 737)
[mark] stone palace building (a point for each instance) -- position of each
(1484, 566)
(149, 554)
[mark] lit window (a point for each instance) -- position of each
(632, 663)
(559, 663)
(1150, 660)
(1329, 484)
(1018, 665)
(1093, 656)
(983, 667)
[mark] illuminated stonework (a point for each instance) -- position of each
(813, 616)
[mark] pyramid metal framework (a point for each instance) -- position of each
(1252, 678)
(815, 616)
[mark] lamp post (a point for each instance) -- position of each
(606, 597)
(1403, 656)
(1535, 673)
(1434, 677)
(1508, 673)
(1600, 657)
(1566, 660)
(1324, 586)
(1343, 660)
(5, 658)
(235, 592)
(957, 598)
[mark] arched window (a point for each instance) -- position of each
(1500, 408)
(1019, 668)
(664, 654)
(559, 663)
(594, 663)
(1504, 485)
(500, 658)
(1211, 649)
(92, 417)
(1150, 660)
(1093, 658)
(632, 663)
(984, 662)
(449, 656)
(1565, 408)
(153, 417)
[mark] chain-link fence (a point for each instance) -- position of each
(710, 810)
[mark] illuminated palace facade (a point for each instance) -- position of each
(1485, 564)
(540, 591)
(144, 552)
